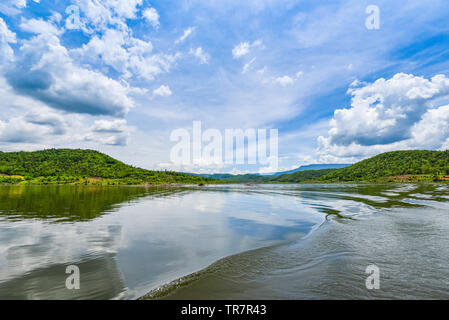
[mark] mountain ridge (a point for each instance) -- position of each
(227, 176)
(80, 166)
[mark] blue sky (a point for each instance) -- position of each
(134, 71)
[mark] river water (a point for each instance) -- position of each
(310, 241)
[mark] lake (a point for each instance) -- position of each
(309, 241)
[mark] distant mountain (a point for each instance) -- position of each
(312, 167)
(257, 177)
(77, 166)
(219, 176)
(301, 176)
(235, 178)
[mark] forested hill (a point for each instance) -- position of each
(301, 176)
(81, 166)
(396, 166)
(416, 165)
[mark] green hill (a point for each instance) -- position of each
(69, 166)
(416, 165)
(396, 166)
(77, 166)
(301, 176)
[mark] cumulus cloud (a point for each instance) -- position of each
(284, 81)
(38, 125)
(23, 3)
(14, 7)
(163, 91)
(287, 80)
(99, 15)
(56, 93)
(187, 33)
(200, 54)
(125, 54)
(152, 16)
(16, 130)
(113, 133)
(55, 122)
(6, 37)
(39, 26)
(404, 112)
(105, 126)
(243, 48)
(107, 132)
(46, 73)
(240, 50)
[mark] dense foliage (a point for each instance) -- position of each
(397, 166)
(418, 165)
(301, 176)
(296, 177)
(69, 166)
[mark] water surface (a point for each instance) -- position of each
(225, 242)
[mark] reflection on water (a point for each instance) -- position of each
(247, 241)
(129, 240)
(67, 203)
(403, 229)
(101, 279)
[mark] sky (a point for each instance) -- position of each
(120, 76)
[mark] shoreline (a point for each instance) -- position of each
(446, 181)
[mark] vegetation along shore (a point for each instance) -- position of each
(77, 166)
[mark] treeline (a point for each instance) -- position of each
(396, 166)
(302, 176)
(68, 166)
(78, 166)
(419, 165)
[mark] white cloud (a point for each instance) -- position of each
(56, 81)
(200, 54)
(39, 26)
(31, 124)
(112, 133)
(243, 48)
(17, 130)
(432, 131)
(187, 33)
(6, 37)
(26, 121)
(106, 126)
(240, 50)
(99, 15)
(284, 81)
(56, 122)
(262, 71)
(404, 112)
(22, 3)
(163, 91)
(152, 16)
(247, 66)
(126, 9)
(125, 54)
